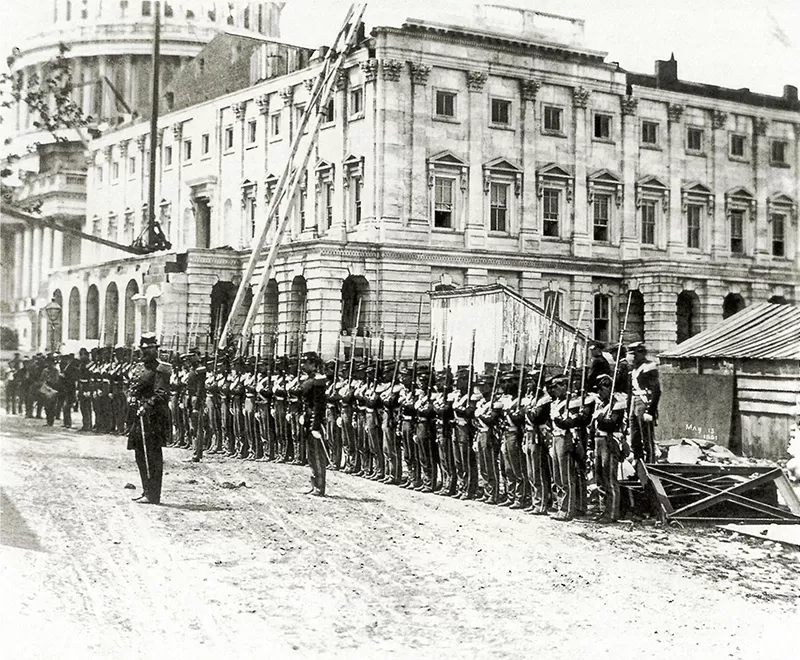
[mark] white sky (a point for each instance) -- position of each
(732, 43)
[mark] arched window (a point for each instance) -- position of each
(688, 315)
(74, 322)
(297, 309)
(355, 289)
(130, 312)
(57, 328)
(602, 317)
(634, 331)
(92, 313)
(111, 324)
(732, 304)
(271, 308)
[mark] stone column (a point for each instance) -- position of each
(580, 210)
(47, 252)
(529, 228)
(36, 261)
(660, 313)
(27, 262)
(417, 201)
(675, 147)
(757, 231)
(719, 148)
(58, 249)
(390, 144)
(629, 243)
(19, 256)
(474, 225)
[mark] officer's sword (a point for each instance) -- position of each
(144, 447)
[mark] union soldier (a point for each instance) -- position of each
(464, 459)
(511, 427)
(195, 395)
(484, 445)
(645, 390)
(389, 394)
(443, 407)
(346, 393)
(148, 417)
(333, 431)
(85, 390)
(608, 421)
(408, 423)
(70, 369)
(313, 397)
(424, 438)
(538, 437)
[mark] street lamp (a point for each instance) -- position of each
(53, 311)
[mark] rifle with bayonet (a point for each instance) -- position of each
(353, 343)
(416, 348)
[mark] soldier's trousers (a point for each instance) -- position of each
(282, 431)
(349, 439)
(296, 431)
(237, 446)
(606, 465)
(333, 436)
(642, 439)
(516, 487)
(410, 454)
(465, 462)
(175, 415)
(225, 423)
(362, 442)
(86, 413)
(579, 455)
(538, 462)
(66, 412)
(249, 413)
(373, 431)
(214, 432)
(564, 475)
(487, 462)
(149, 459)
(197, 421)
(424, 446)
(316, 458)
(444, 446)
(265, 434)
(391, 460)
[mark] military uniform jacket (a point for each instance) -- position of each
(149, 393)
(312, 392)
(646, 387)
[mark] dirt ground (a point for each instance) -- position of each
(371, 571)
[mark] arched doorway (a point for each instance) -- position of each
(130, 312)
(152, 315)
(271, 308)
(223, 295)
(732, 304)
(74, 318)
(111, 324)
(634, 331)
(688, 315)
(92, 313)
(57, 328)
(298, 309)
(355, 289)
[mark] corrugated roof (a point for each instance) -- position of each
(762, 332)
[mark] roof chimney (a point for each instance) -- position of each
(790, 92)
(667, 71)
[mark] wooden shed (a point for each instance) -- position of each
(742, 375)
(506, 325)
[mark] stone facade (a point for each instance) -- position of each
(455, 160)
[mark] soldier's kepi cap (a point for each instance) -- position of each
(637, 347)
(148, 340)
(599, 345)
(604, 379)
(558, 379)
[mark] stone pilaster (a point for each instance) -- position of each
(475, 229)
(580, 222)
(676, 157)
(629, 235)
(529, 235)
(757, 231)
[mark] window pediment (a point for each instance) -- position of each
(248, 191)
(740, 198)
(652, 182)
(740, 193)
(502, 168)
(270, 182)
(604, 181)
(446, 161)
(353, 168)
(651, 187)
(697, 193)
(323, 166)
(556, 175)
(781, 203)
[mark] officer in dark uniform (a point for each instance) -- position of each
(314, 401)
(85, 390)
(148, 418)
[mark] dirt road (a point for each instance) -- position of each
(372, 571)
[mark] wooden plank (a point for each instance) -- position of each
(788, 494)
(771, 408)
(686, 468)
(664, 506)
(715, 495)
(788, 398)
(753, 521)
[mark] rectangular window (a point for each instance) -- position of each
(693, 214)
(132, 165)
(778, 235)
(649, 222)
(443, 203)
(601, 317)
(550, 204)
(602, 126)
(187, 150)
(250, 210)
(356, 101)
(251, 131)
(275, 125)
(445, 104)
(499, 207)
(552, 303)
(778, 152)
(329, 112)
(737, 146)
(357, 201)
(115, 170)
(99, 174)
(650, 132)
(737, 231)
(301, 209)
(501, 112)
(329, 204)
(552, 119)
(228, 138)
(205, 144)
(694, 139)
(602, 211)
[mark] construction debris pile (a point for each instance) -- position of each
(691, 451)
